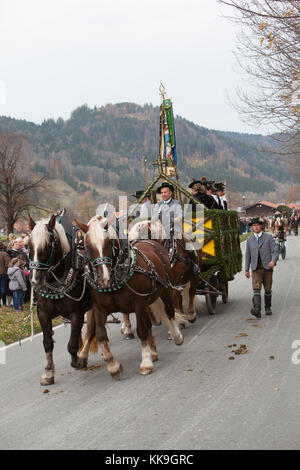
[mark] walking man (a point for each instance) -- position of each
(261, 255)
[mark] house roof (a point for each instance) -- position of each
(263, 203)
(273, 205)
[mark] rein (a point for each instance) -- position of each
(67, 284)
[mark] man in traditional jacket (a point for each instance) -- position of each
(200, 192)
(168, 210)
(219, 196)
(261, 255)
(142, 210)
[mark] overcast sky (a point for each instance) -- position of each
(56, 55)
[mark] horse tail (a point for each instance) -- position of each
(94, 348)
(90, 333)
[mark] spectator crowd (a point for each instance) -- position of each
(14, 272)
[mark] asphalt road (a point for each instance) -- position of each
(196, 398)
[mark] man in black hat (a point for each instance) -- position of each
(200, 190)
(168, 210)
(219, 195)
(261, 255)
(142, 210)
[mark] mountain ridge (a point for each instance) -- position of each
(104, 147)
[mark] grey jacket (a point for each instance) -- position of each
(267, 249)
(165, 211)
(16, 279)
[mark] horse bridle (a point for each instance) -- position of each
(39, 265)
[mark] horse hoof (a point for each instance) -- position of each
(192, 319)
(81, 363)
(118, 374)
(128, 336)
(179, 340)
(47, 381)
(146, 370)
(154, 357)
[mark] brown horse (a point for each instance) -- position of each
(183, 278)
(146, 282)
(49, 251)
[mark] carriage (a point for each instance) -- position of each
(221, 255)
(140, 279)
(216, 231)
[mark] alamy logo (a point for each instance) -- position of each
(2, 353)
(296, 354)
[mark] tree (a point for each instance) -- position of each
(269, 53)
(16, 187)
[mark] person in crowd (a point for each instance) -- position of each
(219, 195)
(17, 283)
(200, 191)
(4, 262)
(22, 250)
(11, 237)
(13, 249)
(261, 255)
(143, 210)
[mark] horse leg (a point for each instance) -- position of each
(77, 320)
(163, 310)
(46, 325)
(143, 330)
(90, 342)
(126, 327)
(191, 313)
(152, 346)
(153, 320)
(113, 366)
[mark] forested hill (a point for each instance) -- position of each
(103, 147)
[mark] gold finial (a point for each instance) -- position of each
(162, 90)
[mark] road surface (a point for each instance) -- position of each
(196, 398)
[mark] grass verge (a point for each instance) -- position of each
(12, 322)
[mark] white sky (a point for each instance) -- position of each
(57, 55)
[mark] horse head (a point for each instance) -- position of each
(47, 245)
(99, 237)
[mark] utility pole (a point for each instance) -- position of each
(144, 170)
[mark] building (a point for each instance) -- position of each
(260, 209)
(266, 209)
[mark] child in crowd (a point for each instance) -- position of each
(17, 282)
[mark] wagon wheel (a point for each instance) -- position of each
(211, 302)
(225, 292)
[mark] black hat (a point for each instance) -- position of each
(209, 184)
(195, 182)
(165, 185)
(219, 186)
(256, 220)
(138, 194)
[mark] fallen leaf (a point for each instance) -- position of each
(60, 391)
(272, 357)
(276, 389)
(256, 326)
(241, 335)
(93, 367)
(241, 350)
(46, 391)
(189, 370)
(231, 358)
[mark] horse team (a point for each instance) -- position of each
(152, 288)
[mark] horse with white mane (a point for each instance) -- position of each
(55, 292)
(113, 288)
